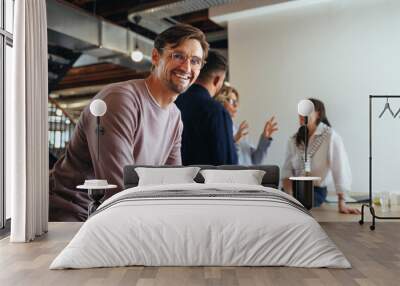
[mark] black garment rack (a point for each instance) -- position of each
(370, 205)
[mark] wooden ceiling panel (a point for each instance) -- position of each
(102, 73)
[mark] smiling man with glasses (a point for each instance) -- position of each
(142, 125)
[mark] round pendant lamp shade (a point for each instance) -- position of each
(305, 107)
(98, 107)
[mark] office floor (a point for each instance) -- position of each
(374, 255)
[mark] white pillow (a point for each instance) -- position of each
(248, 177)
(165, 176)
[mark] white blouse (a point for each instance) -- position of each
(331, 157)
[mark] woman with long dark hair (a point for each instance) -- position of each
(326, 153)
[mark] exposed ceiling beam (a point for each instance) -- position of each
(98, 74)
(76, 91)
(245, 9)
(197, 16)
(109, 7)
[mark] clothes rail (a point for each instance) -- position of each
(370, 204)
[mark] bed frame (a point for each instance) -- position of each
(270, 179)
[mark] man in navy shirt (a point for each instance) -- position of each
(207, 127)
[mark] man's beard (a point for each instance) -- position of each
(177, 88)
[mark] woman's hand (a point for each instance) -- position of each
(344, 209)
(242, 131)
(270, 127)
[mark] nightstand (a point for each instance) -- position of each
(303, 190)
(96, 192)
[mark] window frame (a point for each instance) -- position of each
(6, 39)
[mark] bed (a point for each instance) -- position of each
(201, 224)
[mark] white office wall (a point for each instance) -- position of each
(339, 51)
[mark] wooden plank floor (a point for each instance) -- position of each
(374, 255)
(329, 213)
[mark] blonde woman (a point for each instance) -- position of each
(248, 154)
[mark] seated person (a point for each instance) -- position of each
(142, 125)
(207, 137)
(248, 154)
(326, 153)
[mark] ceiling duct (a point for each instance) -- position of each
(73, 29)
(159, 18)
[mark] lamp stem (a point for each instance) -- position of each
(305, 145)
(98, 137)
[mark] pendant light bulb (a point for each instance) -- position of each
(137, 55)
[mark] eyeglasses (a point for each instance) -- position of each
(233, 102)
(180, 58)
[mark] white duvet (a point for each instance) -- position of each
(188, 231)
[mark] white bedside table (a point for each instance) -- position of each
(96, 193)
